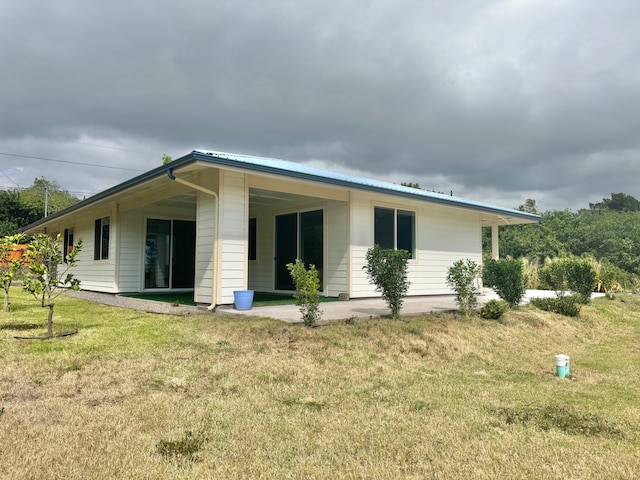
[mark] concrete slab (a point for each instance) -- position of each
(331, 311)
(374, 307)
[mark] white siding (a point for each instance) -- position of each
(443, 235)
(234, 220)
(205, 231)
(95, 275)
(336, 247)
(361, 219)
(131, 247)
(261, 269)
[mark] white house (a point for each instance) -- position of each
(215, 222)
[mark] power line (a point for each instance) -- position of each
(111, 148)
(68, 161)
(10, 179)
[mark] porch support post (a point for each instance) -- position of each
(495, 252)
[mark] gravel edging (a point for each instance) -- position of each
(151, 306)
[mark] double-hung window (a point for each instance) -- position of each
(395, 229)
(101, 239)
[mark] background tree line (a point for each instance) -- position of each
(19, 208)
(609, 231)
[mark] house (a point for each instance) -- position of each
(214, 222)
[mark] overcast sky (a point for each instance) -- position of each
(499, 101)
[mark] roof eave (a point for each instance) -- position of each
(452, 202)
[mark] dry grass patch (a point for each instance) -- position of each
(142, 396)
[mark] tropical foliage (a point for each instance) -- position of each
(19, 208)
(608, 231)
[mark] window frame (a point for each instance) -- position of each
(399, 237)
(68, 243)
(101, 238)
(252, 253)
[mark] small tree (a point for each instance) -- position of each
(9, 265)
(506, 277)
(307, 285)
(387, 270)
(45, 281)
(462, 277)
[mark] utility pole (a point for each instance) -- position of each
(46, 201)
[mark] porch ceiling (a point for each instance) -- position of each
(487, 220)
(259, 196)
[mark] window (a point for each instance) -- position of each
(253, 239)
(68, 243)
(395, 229)
(101, 239)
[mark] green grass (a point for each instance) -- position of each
(260, 299)
(136, 395)
(185, 298)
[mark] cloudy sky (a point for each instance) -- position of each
(499, 101)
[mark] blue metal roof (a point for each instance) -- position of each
(305, 172)
(292, 170)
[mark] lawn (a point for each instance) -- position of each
(141, 396)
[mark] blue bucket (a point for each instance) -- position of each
(243, 299)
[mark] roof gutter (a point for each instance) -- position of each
(214, 275)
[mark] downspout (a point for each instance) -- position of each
(215, 233)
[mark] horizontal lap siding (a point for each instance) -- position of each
(361, 240)
(443, 235)
(233, 235)
(337, 239)
(261, 269)
(205, 230)
(95, 275)
(131, 246)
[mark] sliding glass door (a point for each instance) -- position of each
(169, 260)
(298, 235)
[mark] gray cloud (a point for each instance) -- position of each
(499, 101)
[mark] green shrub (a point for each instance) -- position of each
(493, 309)
(570, 274)
(462, 277)
(553, 277)
(611, 279)
(387, 270)
(568, 305)
(506, 277)
(306, 296)
(581, 277)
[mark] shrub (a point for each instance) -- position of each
(553, 276)
(611, 279)
(568, 305)
(462, 277)
(570, 274)
(493, 309)
(387, 270)
(581, 277)
(307, 285)
(506, 278)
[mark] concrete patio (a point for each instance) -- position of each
(371, 307)
(331, 311)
